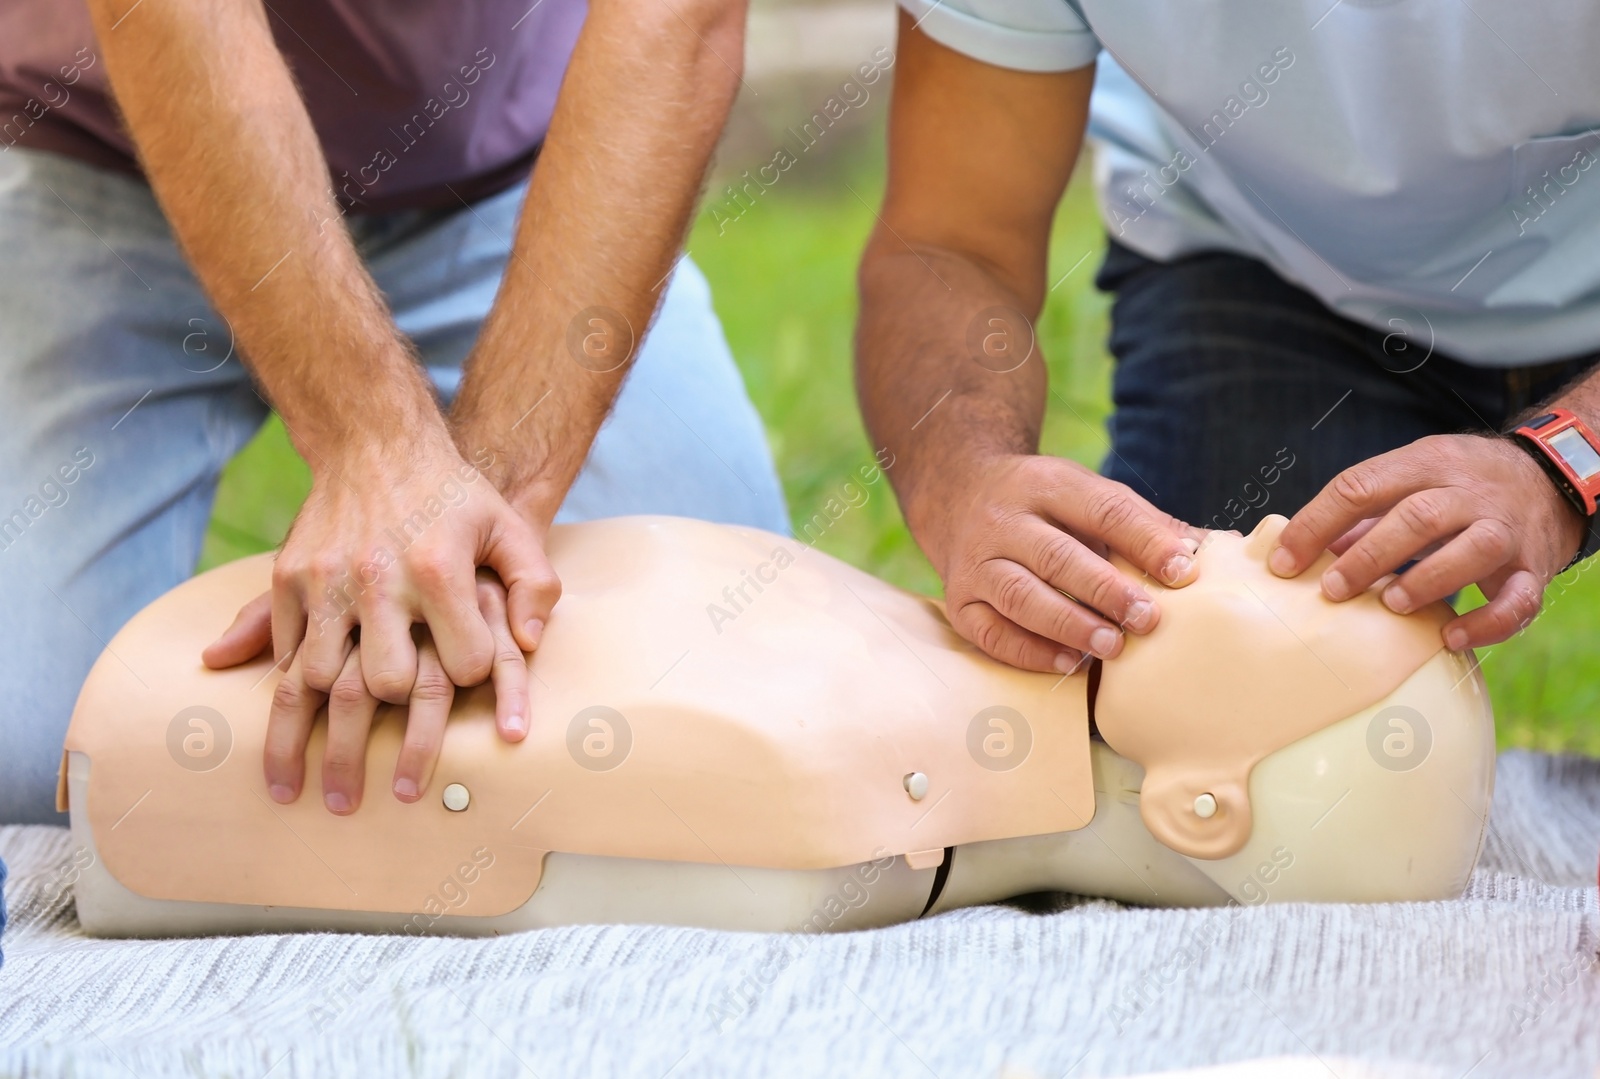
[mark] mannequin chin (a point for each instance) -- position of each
(733, 730)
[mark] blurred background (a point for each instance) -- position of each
(783, 271)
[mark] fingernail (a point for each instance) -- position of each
(1334, 586)
(281, 794)
(1103, 641)
(405, 788)
(1177, 568)
(1282, 562)
(336, 801)
(1068, 662)
(1140, 615)
(533, 628)
(1455, 638)
(516, 725)
(1396, 599)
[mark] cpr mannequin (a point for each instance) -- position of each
(733, 730)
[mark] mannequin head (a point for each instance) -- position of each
(1295, 747)
(1342, 754)
(1245, 663)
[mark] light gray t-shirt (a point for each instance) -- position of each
(1422, 166)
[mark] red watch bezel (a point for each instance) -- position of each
(1542, 428)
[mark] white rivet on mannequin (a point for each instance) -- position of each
(1205, 807)
(456, 797)
(916, 785)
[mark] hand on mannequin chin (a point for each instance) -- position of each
(1022, 543)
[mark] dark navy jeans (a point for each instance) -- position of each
(1237, 394)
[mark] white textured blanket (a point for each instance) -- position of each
(1504, 982)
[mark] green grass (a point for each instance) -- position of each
(784, 280)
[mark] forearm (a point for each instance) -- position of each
(928, 389)
(951, 380)
(948, 371)
(231, 154)
(645, 99)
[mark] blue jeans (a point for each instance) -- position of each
(1237, 394)
(117, 413)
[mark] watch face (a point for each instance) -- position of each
(1577, 452)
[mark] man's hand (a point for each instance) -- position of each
(397, 544)
(351, 707)
(1472, 509)
(1024, 566)
(399, 549)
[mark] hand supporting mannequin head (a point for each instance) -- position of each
(787, 718)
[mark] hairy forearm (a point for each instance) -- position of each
(929, 391)
(645, 99)
(231, 154)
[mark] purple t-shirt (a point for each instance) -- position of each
(407, 96)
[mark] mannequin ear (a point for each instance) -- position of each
(1264, 538)
(1195, 812)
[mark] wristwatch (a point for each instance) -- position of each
(1570, 452)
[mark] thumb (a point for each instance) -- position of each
(250, 633)
(532, 587)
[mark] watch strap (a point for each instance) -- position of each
(1590, 544)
